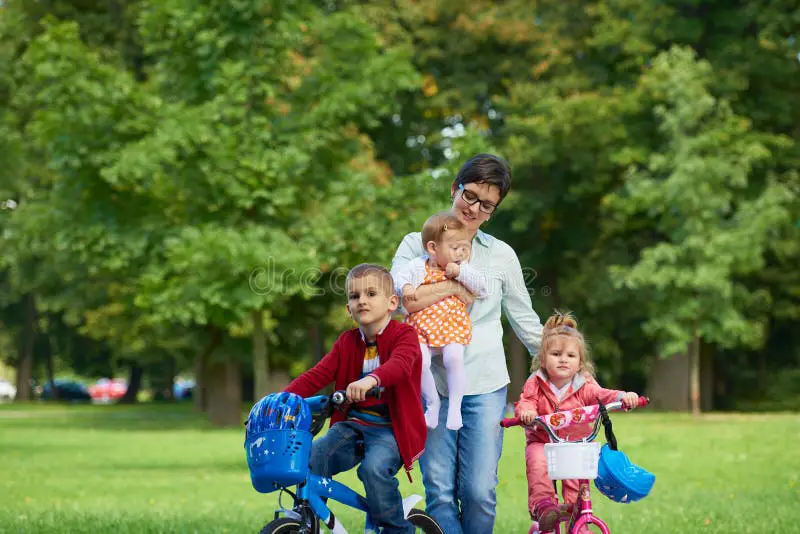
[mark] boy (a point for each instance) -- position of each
(380, 434)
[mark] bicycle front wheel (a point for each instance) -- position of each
(423, 522)
(286, 525)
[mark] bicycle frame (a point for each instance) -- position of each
(585, 515)
(559, 420)
(316, 489)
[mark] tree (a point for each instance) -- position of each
(244, 130)
(715, 226)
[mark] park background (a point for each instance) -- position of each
(183, 185)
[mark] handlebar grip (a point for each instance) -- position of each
(510, 421)
(339, 397)
(644, 401)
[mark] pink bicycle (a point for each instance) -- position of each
(583, 460)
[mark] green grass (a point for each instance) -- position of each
(158, 469)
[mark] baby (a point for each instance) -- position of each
(444, 325)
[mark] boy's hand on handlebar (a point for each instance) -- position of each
(630, 400)
(527, 417)
(357, 391)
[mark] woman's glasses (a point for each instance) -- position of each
(471, 198)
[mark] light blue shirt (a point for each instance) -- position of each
(485, 358)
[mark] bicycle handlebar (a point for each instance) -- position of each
(322, 406)
(339, 397)
(559, 420)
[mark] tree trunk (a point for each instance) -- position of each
(317, 336)
(162, 379)
(28, 338)
(201, 371)
(761, 373)
(260, 357)
(694, 375)
(518, 367)
(668, 383)
(224, 393)
(198, 395)
(48, 355)
(134, 385)
(707, 371)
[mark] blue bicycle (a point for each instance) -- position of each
(279, 433)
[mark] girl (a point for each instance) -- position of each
(444, 325)
(562, 379)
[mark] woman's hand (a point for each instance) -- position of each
(428, 294)
(464, 294)
(630, 400)
(409, 293)
(527, 417)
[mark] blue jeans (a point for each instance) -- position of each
(459, 468)
(346, 445)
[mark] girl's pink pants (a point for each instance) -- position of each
(539, 485)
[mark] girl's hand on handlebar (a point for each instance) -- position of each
(630, 400)
(527, 417)
(357, 391)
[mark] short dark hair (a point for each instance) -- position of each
(486, 169)
(364, 269)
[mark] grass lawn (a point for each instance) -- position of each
(154, 469)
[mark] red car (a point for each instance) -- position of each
(105, 390)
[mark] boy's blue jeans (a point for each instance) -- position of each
(339, 451)
(459, 467)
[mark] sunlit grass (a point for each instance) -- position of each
(163, 469)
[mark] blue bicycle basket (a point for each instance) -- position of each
(278, 441)
(619, 479)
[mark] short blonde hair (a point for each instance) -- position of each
(563, 324)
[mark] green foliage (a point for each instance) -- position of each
(715, 225)
(166, 197)
(176, 165)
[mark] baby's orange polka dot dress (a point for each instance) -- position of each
(443, 322)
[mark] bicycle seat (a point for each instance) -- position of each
(619, 479)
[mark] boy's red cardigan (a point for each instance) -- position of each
(400, 372)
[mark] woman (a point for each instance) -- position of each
(459, 467)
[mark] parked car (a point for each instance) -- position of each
(183, 389)
(7, 390)
(107, 390)
(67, 390)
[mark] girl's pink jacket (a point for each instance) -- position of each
(537, 396)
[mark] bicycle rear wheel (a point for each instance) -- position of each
(423, 522)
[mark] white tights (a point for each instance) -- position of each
(453, 357)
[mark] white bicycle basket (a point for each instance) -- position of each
(572, 460)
